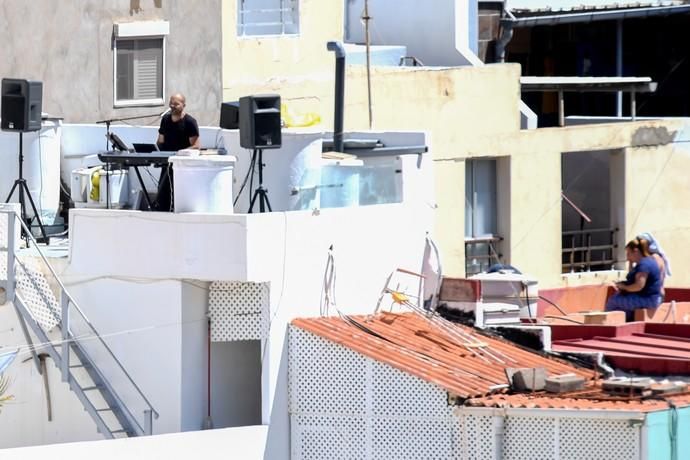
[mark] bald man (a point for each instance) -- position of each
(178, 130)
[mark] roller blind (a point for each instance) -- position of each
(139, 74)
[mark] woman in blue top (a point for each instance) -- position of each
(643, 286)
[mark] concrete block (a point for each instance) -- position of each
(668, 388)
(625, 386)
(526, 379)
(564, 383)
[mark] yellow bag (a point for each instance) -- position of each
(95, 194)
(298, 120)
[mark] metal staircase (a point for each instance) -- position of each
(95, 375)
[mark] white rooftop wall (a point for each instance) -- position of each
(41, 167)
(141, 279)
(439, 33)
(246, 443)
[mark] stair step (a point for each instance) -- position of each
(95, 387)
(105, 409)
(118, 431)
(76, 366)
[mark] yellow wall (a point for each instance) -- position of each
(654, 199)
(658, 201)
(470, 112)
(289, 65)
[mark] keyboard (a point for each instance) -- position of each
(158, 158)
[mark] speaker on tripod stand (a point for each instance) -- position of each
(21, 102)
(260, 129)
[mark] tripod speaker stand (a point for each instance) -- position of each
(23, 190)
(261, 193)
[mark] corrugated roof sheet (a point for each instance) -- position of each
(648, 354)
(413, 344)
(643, 348)
(542, 6)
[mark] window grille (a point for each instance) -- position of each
(589, 250)
(481, 253)
(267, 17)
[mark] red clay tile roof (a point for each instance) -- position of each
(413, 344)
(548, 401)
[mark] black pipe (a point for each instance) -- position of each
(339, 94)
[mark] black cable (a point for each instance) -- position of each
(554, 304)
(251, 176)
(246, 178)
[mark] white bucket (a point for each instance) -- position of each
(203, 183)
(80, 185)
(114, 186)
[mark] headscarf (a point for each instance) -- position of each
(655, 248)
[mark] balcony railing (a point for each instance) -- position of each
(481, 253)
(589, 250)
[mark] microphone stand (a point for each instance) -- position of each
(108, 139)
(108, 121)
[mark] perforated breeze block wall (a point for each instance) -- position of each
(345, 406)
(554, 437)
(238, 310)
(3, 246)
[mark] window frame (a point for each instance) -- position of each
(471, 169)
(150, 30)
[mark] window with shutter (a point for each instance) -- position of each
(139, 71)
(267, 17)
(482, 243)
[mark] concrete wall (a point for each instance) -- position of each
(68, 46)
(41, 167)
(246, 443)
(664, 434)
(656, 190)
(130, 273)
(24, 419)
(448, 28)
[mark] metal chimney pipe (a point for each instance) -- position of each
(338, 118)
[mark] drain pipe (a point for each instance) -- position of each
(338, 118)
(503, 40)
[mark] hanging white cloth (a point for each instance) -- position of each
(655, 248)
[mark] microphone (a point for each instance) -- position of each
(167, 111)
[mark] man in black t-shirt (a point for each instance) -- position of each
(178, 130)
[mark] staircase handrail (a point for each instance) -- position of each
(27, 231)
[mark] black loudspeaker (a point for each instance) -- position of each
(21, 105)
(230, 115)
(260, 122)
